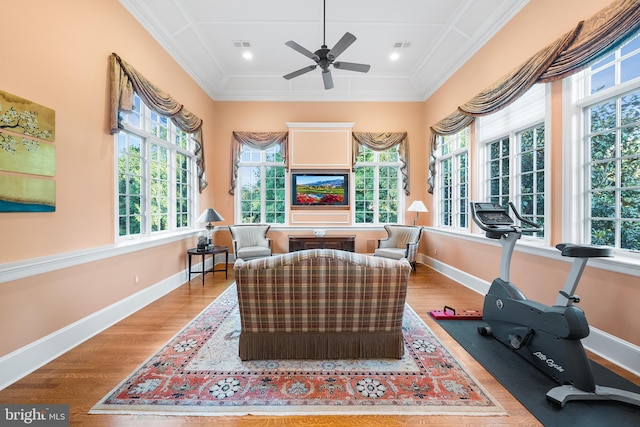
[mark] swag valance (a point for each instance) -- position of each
(258, 141)
(125, 80)
(574, 51)
(381, 142)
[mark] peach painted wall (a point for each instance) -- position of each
(273, 116)
(603, 293)
(56, 54)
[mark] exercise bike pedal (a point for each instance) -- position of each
(518, 342)
(485, 331)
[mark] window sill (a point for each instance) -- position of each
(622, 264)
(155, 239)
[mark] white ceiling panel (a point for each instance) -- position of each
(441, 34)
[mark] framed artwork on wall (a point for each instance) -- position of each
(26, 130)
(318, 188)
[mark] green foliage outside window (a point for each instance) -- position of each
(614, 172)
(262, 179)
(155, 174)
(376, 186)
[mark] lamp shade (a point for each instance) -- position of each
(210, 215)
(417, 206)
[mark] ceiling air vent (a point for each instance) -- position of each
(398, 45)
(242, 43)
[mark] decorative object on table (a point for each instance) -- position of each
(203, 242)
(209, 215)
(198, 372)
(319, 232)
(417, 206)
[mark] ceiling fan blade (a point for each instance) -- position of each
(295, 46)
(326, 78)
(300, 72)
(351, 66)
(342, 44)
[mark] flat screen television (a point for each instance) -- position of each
(320, 188)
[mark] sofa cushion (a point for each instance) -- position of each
(250, 252)
(393, 253)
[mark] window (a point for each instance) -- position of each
(155, 175)
(377, 186)
(261, 185)
(609, 151)
(513, 156)
(452, 188)
(524, 185)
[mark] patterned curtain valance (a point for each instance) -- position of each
(381, 142)
(450, 125)
(125, 81)
(572, 52)
(602, 33)
(513, 85)
(258, 141)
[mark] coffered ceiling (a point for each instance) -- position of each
(432, 38)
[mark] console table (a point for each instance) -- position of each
(343, 243)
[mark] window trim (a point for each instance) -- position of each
(480, 185)
(146, 234)
(237, 198)
(437, 196)
(401, 215)
(575, 101)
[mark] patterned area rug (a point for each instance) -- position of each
(198, 372)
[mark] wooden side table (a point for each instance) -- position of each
(213, 251)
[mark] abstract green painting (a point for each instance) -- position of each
(26, 130)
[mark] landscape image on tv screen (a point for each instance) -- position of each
(320, 189)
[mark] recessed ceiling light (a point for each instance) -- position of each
(247, 55)
(395, 53)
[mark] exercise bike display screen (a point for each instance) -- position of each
(492, 214)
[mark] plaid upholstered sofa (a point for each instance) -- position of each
(321, 304)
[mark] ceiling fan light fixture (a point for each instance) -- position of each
(325, 57)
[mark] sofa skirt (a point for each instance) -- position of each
(320, 345)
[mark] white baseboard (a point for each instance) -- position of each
(622, 353)
(18, 364)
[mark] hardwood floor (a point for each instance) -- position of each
(85, 374)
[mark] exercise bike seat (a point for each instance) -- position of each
(584, 251)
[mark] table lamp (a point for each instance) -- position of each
(210, 215)
(417, 206)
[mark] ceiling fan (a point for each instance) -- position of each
(324, 57)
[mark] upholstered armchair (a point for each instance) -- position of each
(250, 241)
(401, 242)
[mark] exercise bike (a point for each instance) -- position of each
(547, 336)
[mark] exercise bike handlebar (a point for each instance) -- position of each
(496, 221)
(534, 226)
